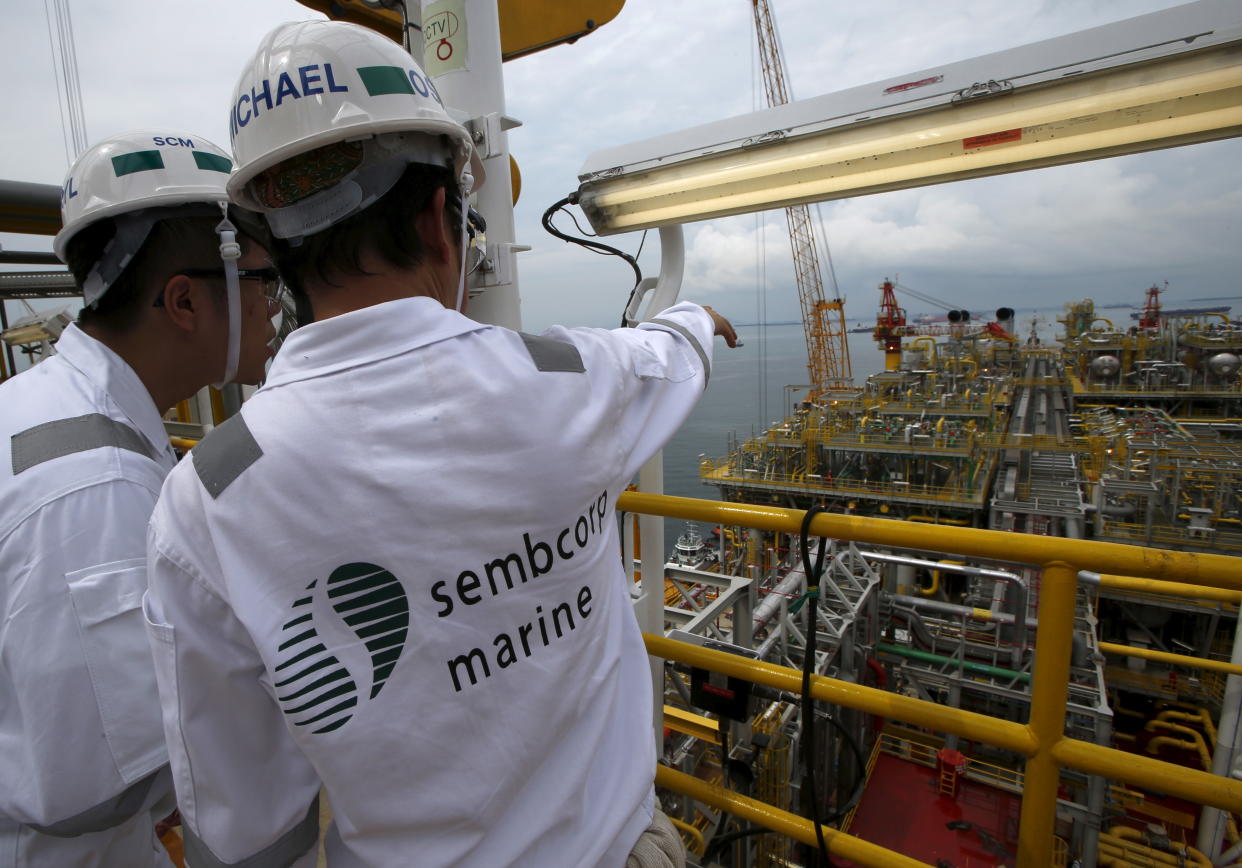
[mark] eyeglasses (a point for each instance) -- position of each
(273, 289)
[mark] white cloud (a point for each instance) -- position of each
(1107, 228)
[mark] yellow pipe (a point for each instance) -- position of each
(1126, 851)
(935, 585)
(185, 444)
(1136, 856)
(1190, 784)
(931, 519)
(1126, 833)
(1175, 659)
(974, 366)
(1170, 589)
(1221, 571)
(1049, 692)
(699, 846)
(930, 342)
(1196, 744)
(1104, 320)
(1201, 716)
(791, 825)
(942, 718)
(1154, 745)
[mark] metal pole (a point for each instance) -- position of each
(1212, 821)
(1049, 693)
(1097, 790)
(650, 608)
(463, 58)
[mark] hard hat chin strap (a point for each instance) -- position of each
(230, 252)
(466, 182)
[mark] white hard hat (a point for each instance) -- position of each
(316, 83)
(139, 170)
(132, 172)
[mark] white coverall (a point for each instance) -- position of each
(397, 572)
(81, 745)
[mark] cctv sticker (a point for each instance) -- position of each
(445, 47)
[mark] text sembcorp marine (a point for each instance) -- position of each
(83, 769)
(396, 572)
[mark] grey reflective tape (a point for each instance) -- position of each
(281, 853)
(63, 437)
(552, 355)
(224, 454)
(694, 342)
(110, 813)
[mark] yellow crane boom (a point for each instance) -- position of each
(827, 348)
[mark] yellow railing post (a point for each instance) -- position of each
(1049, 692)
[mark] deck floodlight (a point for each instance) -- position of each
(1156, 81)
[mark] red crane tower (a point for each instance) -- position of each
(890, 325)
(1150, 318)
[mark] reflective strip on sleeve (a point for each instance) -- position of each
(110, 813)
(224, 454)
(694, 342)
(551, 355)
(279, 854)
(63, 437)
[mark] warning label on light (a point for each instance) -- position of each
(911, 85)
(992, 139)
(444, 37)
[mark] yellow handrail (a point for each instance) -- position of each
(1219, 571)
(1042, 740)
(1175, 589)
(1175, 659)
(1002, 733)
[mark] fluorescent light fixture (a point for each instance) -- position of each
(1157, 81)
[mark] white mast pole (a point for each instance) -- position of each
(461, 53)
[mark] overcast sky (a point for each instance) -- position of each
(1106, 229)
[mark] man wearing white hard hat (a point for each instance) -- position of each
(174, 300)
(396, 573)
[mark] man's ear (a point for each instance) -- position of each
(433, 229)
(184, 302)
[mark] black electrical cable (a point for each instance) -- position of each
(593, 246)
(813, 575)
(721, 841)
(860, 783)
(584, 233)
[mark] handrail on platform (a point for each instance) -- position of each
(1042, 741)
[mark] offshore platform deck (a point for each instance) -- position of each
(1129, 437)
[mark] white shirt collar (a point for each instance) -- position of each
(363, 336)
(113, 376)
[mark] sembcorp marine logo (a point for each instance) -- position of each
(358, 601)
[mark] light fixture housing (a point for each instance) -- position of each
(1156, 81)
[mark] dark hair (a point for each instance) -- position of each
(385, 228)
(174, 244)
